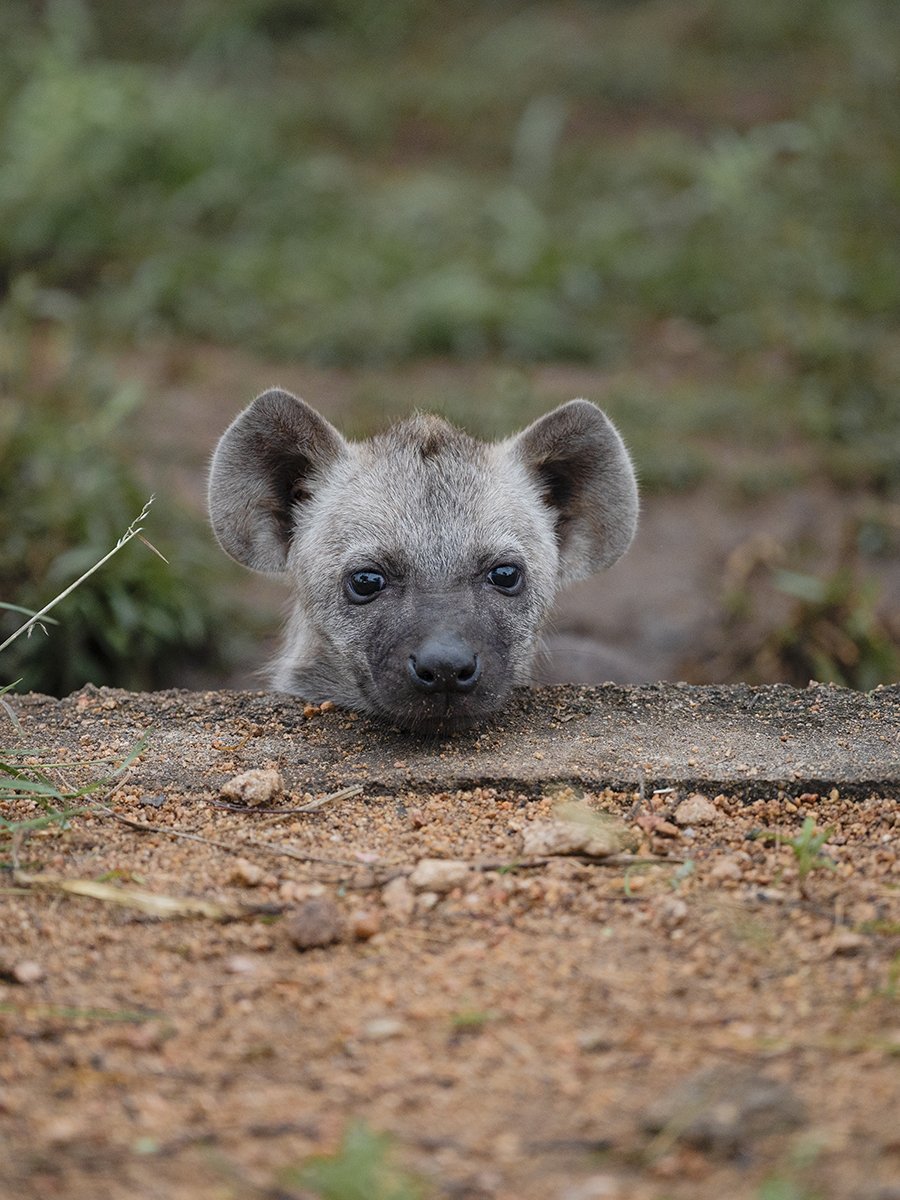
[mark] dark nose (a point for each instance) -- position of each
(444, 663)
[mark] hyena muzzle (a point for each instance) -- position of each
(422, 562)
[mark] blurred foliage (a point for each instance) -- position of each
(698, 198)
(789, 625)
(363, 182)
(833, 633)
(361, 1169)
(67, 494)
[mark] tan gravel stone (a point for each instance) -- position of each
(255, 787)
(696, 809)
(438, 874)
(398, 898)
(315, 922)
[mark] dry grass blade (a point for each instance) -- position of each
(134, 530)
(240, 847)
(355, 789)
(151, 904)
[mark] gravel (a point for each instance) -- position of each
(501, 1028)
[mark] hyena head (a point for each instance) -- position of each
(422, 562)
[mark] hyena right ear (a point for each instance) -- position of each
(265, 464)
(579, 462)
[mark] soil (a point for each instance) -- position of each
(702, 1011)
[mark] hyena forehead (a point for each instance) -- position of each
(432, 498)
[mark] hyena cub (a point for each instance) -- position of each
(422, 561)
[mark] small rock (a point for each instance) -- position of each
(438, 874)
(241, 964)
(28, 971)
(696, 809)
(59, 1131)
(672, 912)
(292, 891)
(542, 838)
(845, 941)
(363, 924)
(246, 874)
(666, 829)
(379, 1029)
(152, 801)
(599, 1187)
(656, 825)
(595, 1041)
(255, 787)
(316, 922)
(725, 1109)
(398, 897)
(425, 901)
(725, 868)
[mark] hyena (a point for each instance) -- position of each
(422, 562)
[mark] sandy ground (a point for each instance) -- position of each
(702, 1011)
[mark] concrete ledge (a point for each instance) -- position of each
(747, 741)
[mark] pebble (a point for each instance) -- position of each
(595, 1041)
(379, 1029)
(724, 1109)
(254, 787)
(845, 941)
(398, 897)
(246, 873)
(241, 964)
(363, 923)
(316, 922)
(438, 874)
(696, 809)
(28, 971)
(600, 1187)
(569, 837)
(152, 801)
(672, 912)
(725, 868)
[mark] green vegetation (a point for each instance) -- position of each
(68, 487)
(834, 633)
(699, 201)
(54, 801)
(360, 1170)
(830, 627)
(807, 847)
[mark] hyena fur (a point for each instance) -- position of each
(422, 562)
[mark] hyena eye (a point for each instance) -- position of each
(506, 577)
(362, 586)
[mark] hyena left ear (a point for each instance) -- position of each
(580, 463)
(266, 463)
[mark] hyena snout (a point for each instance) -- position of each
(455, 548)
(444, 662)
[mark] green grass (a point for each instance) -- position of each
(807, 850)
(27, 775)
(360, 1170)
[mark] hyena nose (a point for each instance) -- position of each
(444, 663)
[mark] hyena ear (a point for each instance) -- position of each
(266, 463)
(583, 470)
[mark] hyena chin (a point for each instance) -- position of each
(422, 562)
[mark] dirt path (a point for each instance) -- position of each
(704, 1010)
